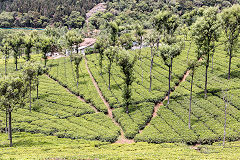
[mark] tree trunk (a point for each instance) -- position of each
(65, 66)
(37, 87)
(6, 128)
(184, 45)
(207, 65)
(10, 127)
(5, 65)
(169, 82)
(189, 50)
(109, 76)
(77, 49)
(45, 62)
(16, 64)
(225, 122)
(190, 104)
(142, 70)
(57, 69)
(127, 104)
(150, 88)
(212, 62)
(141, 58)
(30, 97)
(230, 61)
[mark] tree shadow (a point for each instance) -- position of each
(233, 74)
(53, 65)
(25, 142)
(116, 87)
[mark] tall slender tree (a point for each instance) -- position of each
(166, 23)
(16, 42)
(110, 53)
(12, 94)
(168, 53)
(126, 63)
(30, 78)
(40, 71)
(46, 47)
(5, 49)
(230, 20)
(206, 33)
(114, 29)
(99, 47)
(192, 65)
(152, 39)
(139, 33)
(77, 60)
(73, 38)
(28, 43)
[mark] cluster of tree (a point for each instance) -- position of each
(19, 43)
(132, 11)
(14, 89)
(39, 14)
(204, 27)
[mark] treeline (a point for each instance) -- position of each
(40, 13)
(135, 11)
(71, 13)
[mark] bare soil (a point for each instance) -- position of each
(158, 105)
(80, 98)
(122, 139)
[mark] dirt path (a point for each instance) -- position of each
(158, 105)
(122, 139)
(80, 98)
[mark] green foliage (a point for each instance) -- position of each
(30, 146)
(39, 14)
(166, 22)
(15, 41)
(111, 53)
(126, 64)
(28, 44)
(73, 38)
(6, 19)
(207, 116)
(46, 44)
(77, 59)
(12, 92)
(230, 24)
(57, 112)
(75, 20)
(206, 31)
(5, 50)
(30, 72)
(135, 119)
(63, 71)
(126, 41)
(114, 29)
(168, 53)
(99, 47)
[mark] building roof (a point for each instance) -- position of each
(88, 42)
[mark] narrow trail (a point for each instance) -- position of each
(158, 105)
(80, 98)
(122, 139)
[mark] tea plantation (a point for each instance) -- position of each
(60, 118)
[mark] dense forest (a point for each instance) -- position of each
(40, 13)
(71, 13)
